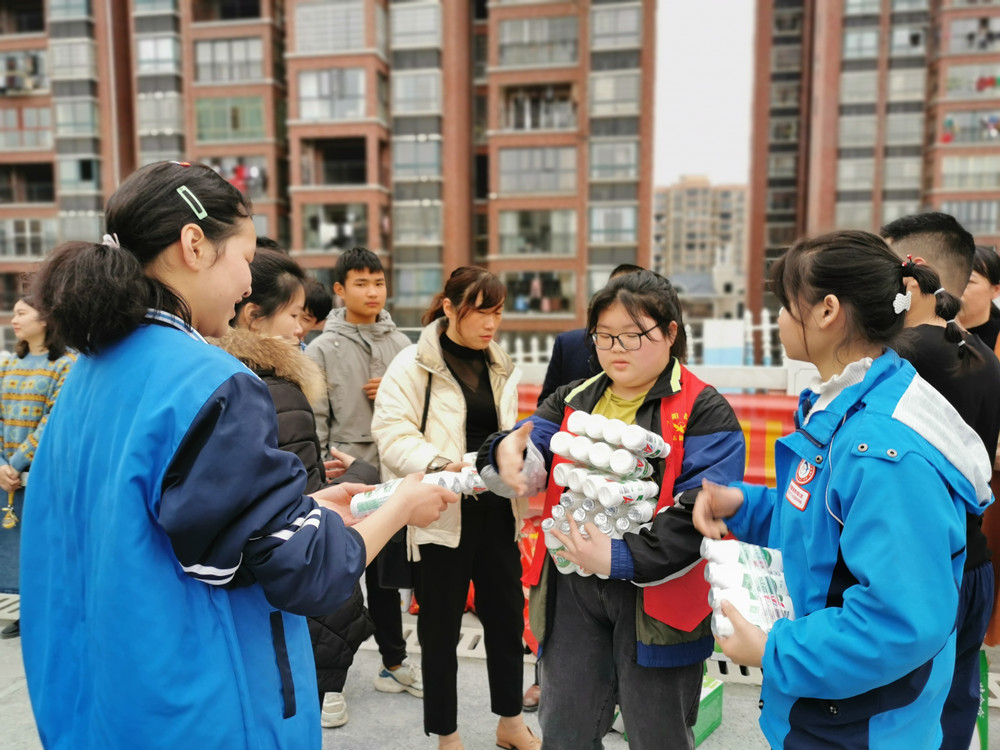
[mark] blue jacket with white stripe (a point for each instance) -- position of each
(166, 545)
(869, 514)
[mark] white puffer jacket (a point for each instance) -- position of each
(399, 407)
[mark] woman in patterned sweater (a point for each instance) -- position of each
(30, 380)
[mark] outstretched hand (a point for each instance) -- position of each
(714, 504)
(510, 458)
(746, 645)
(418, 503)
(338, 499)
(337, 465)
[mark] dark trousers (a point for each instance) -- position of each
(384, 607)
(488, 556)
(975, 604)
(588, 664)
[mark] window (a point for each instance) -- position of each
(229, 60)
(615, 27)
(785, 93)
(248, 174)
(902, 173)
(782, 200)
(160, 112)
(862, 7)
(785, 57)
(903, 5)
(59, 9)
(539, 291)
(614, 94)
(382, 31)
(330, 25)
(531, 232)
(76, 117)
(856, 131)
(548, 107)
(27, 237)
(230, 119)
(337, 226)
(416, 159)
(416, 25)
(413, 224)
(892, 210)
(855, 174)
(151, 6)
(337, 94)
(787, 23)
(904, 128)
(79, 175)
(782, 165)
(908, 84)
(971, 127)
(860, 43)
(973, 81)
(784, 130)
(858, 87)
(970, 35)
(159, 55)
(539, 41)
(907, 41)
(614, 160)
(970, 172)
(480, 55)
(416, 92)
(780, 235)
(613, 224)
(30, 127)
(414, 287)
(72, 59)
(538, 170)
(978, 217)
(854, 215)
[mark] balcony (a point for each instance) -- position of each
(26, 183)
(22, 17)
(539, 108)
(225, 10)
(335, 161)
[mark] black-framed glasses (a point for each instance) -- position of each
(628, 341)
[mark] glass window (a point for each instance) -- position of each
(782, 165)
(229, 60)
(892, 210)
(416, 92)
(72, 59)
(971, 127)
(854, 215)
(785, 93)
(538, 170)
(614, 160)
(330, 25)
(860, 43)
(978, 217)
(337, 226)
(27, 237)
(76, 117)
(902, 173)
(230, 119)
(79, 175)
(862, 7)
(337, 94)
(901, 5)
(970, 172)
(539, 41)
(973, 81)
(859, 87)
(530, 232)
(416, 25)
(615, 27)
(908, 84)
(161, 112)
(29, 127)
(614, 94)
(539, 291)
(248, 174)
(904, 128)
(782, 200)
(787, 23)
(417, 223)
(855, 174)
(69, 9)
(160, 54)
(382, 31)
(416, 159)
(549, 107)
(785, 57)
(784, 129)
(907, 40)
(970, 35)
(613, 224)
(856, 131)
(147, 6)
(414, 287)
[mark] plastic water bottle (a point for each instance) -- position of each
(643, 442)
(560, 474)
(593, 483)
(615, 493)
(559, 512)
(554, 546)
(613, 431)
(641, 511)
(559, 444)
(599, 455)
(628, 465)
(464, 482)
(570, 500)
(594, 428)
(577, 422)
(579, 448)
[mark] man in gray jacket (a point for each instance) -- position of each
(356, 346)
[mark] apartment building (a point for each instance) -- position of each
(867, 110)
(508, 133)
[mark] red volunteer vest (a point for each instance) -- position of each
(682, 602)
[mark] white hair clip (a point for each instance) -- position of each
(902, 302)
(111, 240)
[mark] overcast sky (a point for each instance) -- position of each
(703, 80)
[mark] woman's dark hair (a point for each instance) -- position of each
(865, 276)
(275, 279)
(463, 289)
(987, 264)
(98, 293)
(643, 293)
(56, 348)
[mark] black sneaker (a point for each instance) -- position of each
(11, 631)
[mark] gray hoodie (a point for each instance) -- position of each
(349, 355)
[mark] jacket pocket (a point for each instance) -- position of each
(284, 665)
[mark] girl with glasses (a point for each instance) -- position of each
(638, 632)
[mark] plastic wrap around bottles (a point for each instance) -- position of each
(464, 482)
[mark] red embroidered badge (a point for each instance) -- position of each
(805, 472)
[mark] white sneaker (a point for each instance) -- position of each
(405, 677)
(334, 713)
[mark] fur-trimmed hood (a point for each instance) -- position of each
(269, 355)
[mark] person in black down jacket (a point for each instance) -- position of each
(264, 337)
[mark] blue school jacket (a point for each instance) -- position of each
(169, 555)
(869, 515)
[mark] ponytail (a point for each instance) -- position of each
(97, 294)
(946, 307)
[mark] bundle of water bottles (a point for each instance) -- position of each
(464, 482)
(749, 577)
(607, 483)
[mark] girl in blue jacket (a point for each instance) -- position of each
(869, 513)
(171, 551)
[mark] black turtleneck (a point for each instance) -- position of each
(471, 370)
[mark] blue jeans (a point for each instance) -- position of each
(588, 664)
(975, 605)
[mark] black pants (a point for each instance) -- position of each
(383, 605)
(488, 556)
